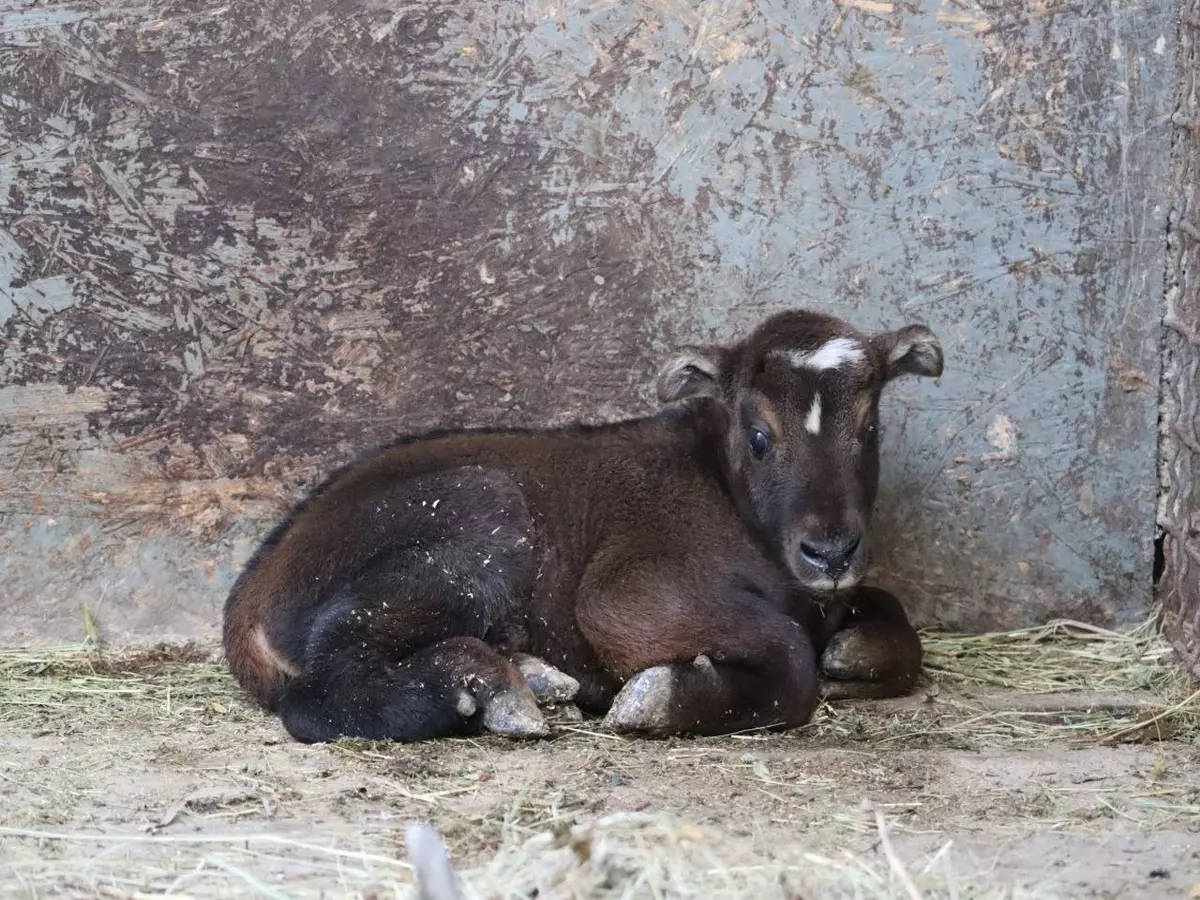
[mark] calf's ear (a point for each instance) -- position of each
(692, 372)
(912, 350)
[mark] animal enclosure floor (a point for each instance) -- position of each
(148, 774)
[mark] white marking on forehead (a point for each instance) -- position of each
(812, 424)
(831, 355)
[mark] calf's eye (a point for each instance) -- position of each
(871, 435)
(759, 443)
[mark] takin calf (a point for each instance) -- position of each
(686, 571)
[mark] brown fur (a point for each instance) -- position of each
(606, 551)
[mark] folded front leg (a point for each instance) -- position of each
(875, 653)
(696, 661)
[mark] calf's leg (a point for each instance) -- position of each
(403, 648)
(695, 664)
(875, 652)
(455, 687)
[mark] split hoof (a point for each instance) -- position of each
(549, 685)
(514, 714)
(644, 703)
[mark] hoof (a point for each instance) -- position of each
(514, 714)
(850, 656)
(644, 703)
(549, 685)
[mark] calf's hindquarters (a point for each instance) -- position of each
(388, 599)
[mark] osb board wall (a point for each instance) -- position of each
(1178, 516)
(241, 241)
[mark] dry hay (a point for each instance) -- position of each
(1065, 681)
(632, 855)
(619, 856)
(44, 690)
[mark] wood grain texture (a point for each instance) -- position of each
(1179, 424)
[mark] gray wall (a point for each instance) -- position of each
(239, 242)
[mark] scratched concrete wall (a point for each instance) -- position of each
(240, 241)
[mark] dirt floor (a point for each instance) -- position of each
(146, 775)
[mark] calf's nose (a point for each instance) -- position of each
(831, 557)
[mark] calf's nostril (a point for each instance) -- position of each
(813, 555)
(831, 557)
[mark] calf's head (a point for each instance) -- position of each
(801, 433)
